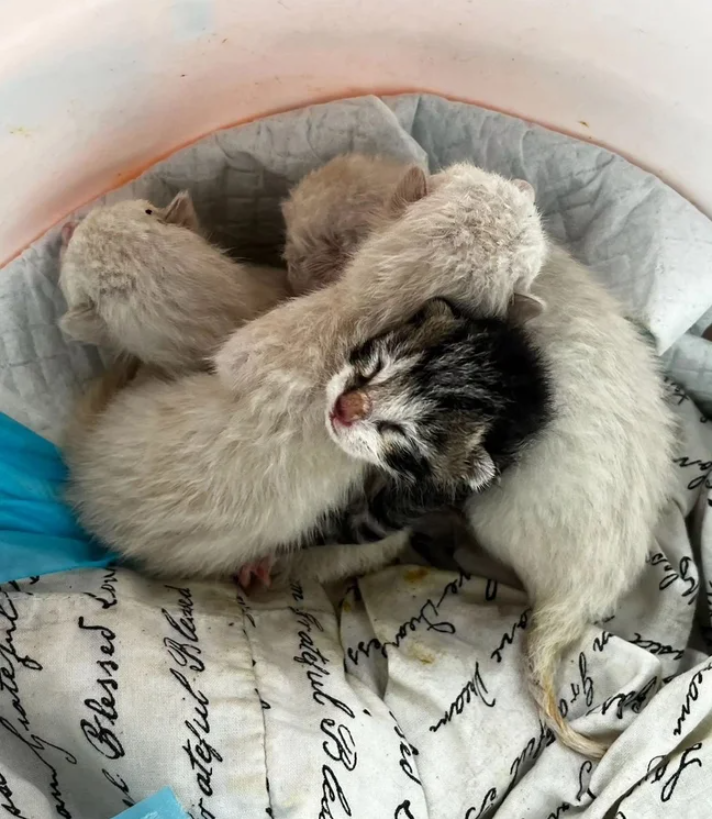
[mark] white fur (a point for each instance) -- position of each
(327, 564)
(148, 284)
(575, 518)
(204, 474)
(189, 479)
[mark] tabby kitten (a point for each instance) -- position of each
(427, 401)
(438, 407)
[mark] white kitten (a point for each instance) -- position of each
(142, 280)
(576, 517)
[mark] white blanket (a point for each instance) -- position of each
(402, 697)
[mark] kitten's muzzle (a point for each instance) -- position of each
(350, 407)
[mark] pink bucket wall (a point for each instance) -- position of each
(92, 91)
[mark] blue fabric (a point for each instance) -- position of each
(161, 806)
(38, 532)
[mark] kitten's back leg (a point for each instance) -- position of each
(327, 564)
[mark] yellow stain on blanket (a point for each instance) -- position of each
(416, 574)
(420, 653)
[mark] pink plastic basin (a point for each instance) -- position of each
(93, 91)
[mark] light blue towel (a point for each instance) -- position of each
(38, 532)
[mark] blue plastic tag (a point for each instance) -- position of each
(162, 805)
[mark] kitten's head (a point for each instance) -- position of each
(334, 208)
(95, 250)
(493, 226)
(444, 397)
(491, 222)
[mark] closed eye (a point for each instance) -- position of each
(361, 378)
(389, 427)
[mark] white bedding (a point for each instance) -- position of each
(286, 704)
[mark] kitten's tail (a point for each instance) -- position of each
(554, 630)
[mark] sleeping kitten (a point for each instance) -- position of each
(143, 280)
(575, 517)
(221, 470)
(436, 435)
(335, 207)
(411, 402)
(330, 211)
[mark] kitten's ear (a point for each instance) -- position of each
(67, 232)
(412, 186)
(481, 469)
(524, 307)
(525, 187)
(439, 307)
(83, 324)
(181, 212)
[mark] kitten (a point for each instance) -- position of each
(575, 517)
(218, 471)
(330, 211)
(441, 368)
(436, 435)
(413, 402)
(143, 280)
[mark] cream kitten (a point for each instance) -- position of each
(330, 211)
(143, 280)
(575, 518)
(192, 307)
(204, 474)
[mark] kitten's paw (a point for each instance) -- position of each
(259, 570)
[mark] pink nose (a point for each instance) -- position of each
(351, 407)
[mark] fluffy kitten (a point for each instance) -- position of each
(440, 407)
(220, 470)
(575, 517)
(143, 280)
(331, 209)
(416, 399)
